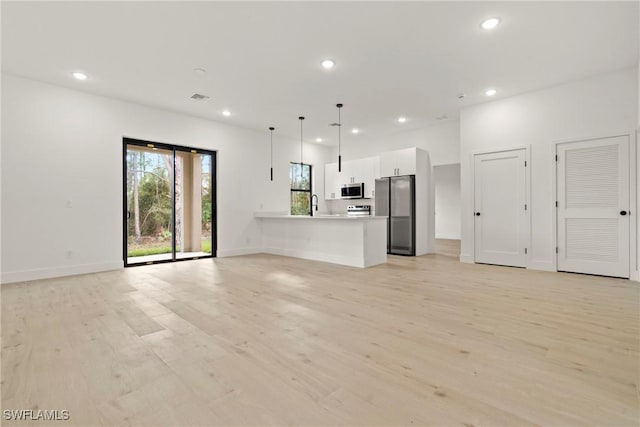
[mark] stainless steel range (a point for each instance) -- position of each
(358, 210)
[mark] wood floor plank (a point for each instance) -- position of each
(268, 340)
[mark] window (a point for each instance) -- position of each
(300, 179)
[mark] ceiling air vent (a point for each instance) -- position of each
(199, 97)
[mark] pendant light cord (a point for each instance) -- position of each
(271, 153)
(301, 118)
(339, 137)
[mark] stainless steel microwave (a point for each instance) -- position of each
(352, 191)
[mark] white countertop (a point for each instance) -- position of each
(277, 215)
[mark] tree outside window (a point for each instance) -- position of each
(300, 180)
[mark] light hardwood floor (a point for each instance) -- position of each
(268, 340)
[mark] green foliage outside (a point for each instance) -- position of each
(155, 204)
(206, 247)
(300, 203)
(300, 182)
(150, 171)
(149, 251)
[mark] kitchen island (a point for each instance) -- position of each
(357, 241)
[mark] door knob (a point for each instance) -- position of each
(623, 213)
(477, 213)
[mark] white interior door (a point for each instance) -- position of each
(501, 225)
(593, 206)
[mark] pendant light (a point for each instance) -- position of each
(301, 118)
(339, 135)
(271, 161)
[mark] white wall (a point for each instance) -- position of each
(447, 181)
(598, 106)
(62, 145)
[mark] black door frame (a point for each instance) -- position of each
(214, 196)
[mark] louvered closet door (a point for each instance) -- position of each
(593, 206)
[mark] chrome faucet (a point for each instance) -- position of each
(312, 205)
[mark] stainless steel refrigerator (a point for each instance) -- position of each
(396, 199)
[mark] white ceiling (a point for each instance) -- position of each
(263, 59)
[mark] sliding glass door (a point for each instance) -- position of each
(169, 202)
(149, 216)
(193, 207)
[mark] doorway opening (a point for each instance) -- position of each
(169, 210)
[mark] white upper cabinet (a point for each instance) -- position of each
(399, 162)
(331, 184)
(365, 170)
(370, 172)
(350, 172)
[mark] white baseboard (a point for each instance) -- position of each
(467, 258)
(223, 253)
(542, 265)
(448, 236)
(533, 264)
(52, 272)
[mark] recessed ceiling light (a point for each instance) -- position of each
(490, 23)
(355, 131)
(490, 92)
(328, 64)
(226, 113)
(402, 119)
(318, 139)
(200, 71)
(79, 76)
